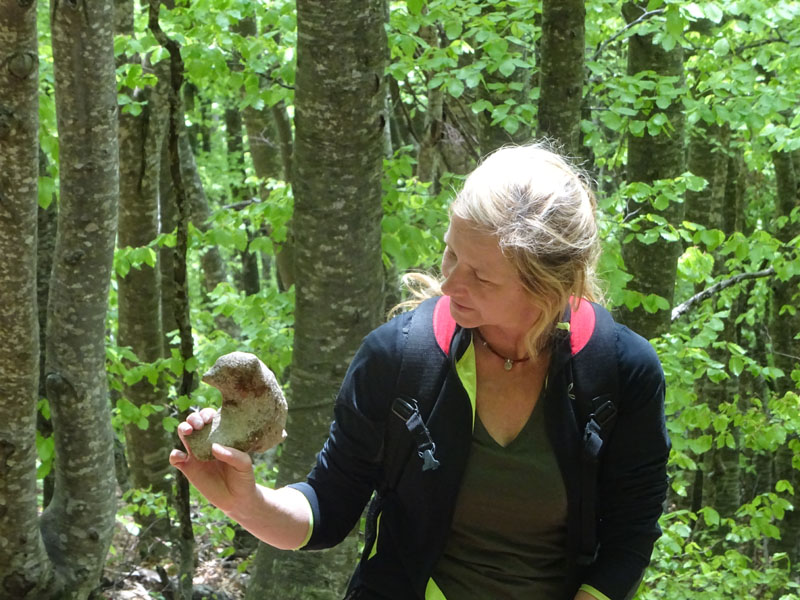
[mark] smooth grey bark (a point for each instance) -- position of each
(78, 523)
(141, 138)
(561, 72)
(25, 569)
(651, 158)
(339, 123)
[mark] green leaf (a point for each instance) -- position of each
(453, 29)
(507, 67)
(701, 444)
(611, 119)
(736, 365)
(694, 10)
(191, 364)
(455, 87)
(674, 21)
(47, 188)
(481, 105)
(722, 47)
(415, 6)
(497, 48)
(713, 12)
(710, 516)
(637, 128)
(652, 303)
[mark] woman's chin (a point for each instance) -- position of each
(464, 316)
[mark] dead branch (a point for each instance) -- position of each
(685, 307)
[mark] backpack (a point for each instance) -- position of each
(425, 358)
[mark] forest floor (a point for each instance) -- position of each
(128, 577)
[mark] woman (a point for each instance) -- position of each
(498, 518)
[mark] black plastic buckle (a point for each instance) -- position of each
(404, 409)
(604, 413)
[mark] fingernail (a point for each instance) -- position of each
(221, 449)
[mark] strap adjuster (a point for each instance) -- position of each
(604, 413)
(407, 410)
(404, 409)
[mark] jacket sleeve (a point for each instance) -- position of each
(349, 466)
(632, 482)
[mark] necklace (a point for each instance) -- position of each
(508, 363)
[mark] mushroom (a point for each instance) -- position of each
(253, 413)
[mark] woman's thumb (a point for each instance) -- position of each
(240, 461)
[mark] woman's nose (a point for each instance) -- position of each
(451, 282)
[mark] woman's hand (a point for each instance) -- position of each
(281, 518)
(227, 481)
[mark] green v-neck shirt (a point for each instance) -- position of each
(509, 533)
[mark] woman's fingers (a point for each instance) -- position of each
(177, 458)
(237, 459)
(196, 420)
(207, 414)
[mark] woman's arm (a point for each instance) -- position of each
(632, 483)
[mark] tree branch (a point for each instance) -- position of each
(643, 17)
(685, 307)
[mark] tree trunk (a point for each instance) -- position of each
(428, 167)
(561, 72)
(651, 158)
(25, 570)
(784, 328)
(708, 159)
(248, 280)
(168, 218)
(214, 270)
(78, 523)
(141, 138)
(339, 123)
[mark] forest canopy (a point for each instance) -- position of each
(183, 179)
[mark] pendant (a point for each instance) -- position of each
(509, 364)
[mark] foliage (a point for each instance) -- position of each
(413, 226)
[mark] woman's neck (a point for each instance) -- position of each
(506, 343)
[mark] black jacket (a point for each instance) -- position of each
(415, 518)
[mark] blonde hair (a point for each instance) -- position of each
(541, 209)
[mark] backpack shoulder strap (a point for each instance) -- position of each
(423, 362)
(594, 390)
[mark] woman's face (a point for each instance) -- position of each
(483, 286)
